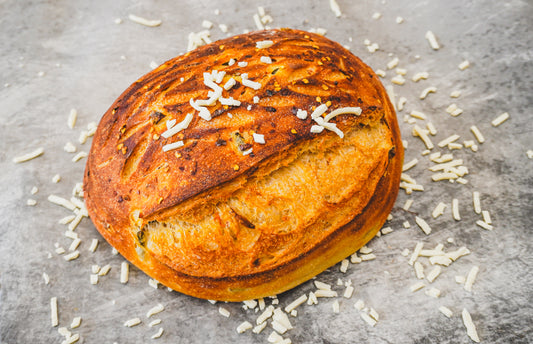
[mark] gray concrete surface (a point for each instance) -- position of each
(88, 60)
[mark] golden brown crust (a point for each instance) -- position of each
(133, 189)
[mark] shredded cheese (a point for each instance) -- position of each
(266, 59)
(486, 217)
(264, 44)
(433, 274)
(398, 80)
(479, 137)
(76, 322)
(433, 292)
(53, 311)
(252, 84)
(368, 319)
(430, 36)
(423, 225)
(470, 327)
(29, 156)
(73, 115)
(464, 65)
(158, 334)
(419, 76)
(71, 256)
(417, 286)
(325, 293)
(419, 270)
(455, 209)
(500, 119)
(173, 130)
(94, 245)
(132, 322)
(393, 63)
(124, 272)
(416, 253)
(244, 326)
(79, 156)
(143, 21)
(417, 114)
(224, 312)
(471, 277)
(335, 8)
(427, 91)
(423, 135)
(172, 146)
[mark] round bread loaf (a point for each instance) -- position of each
(260, 183)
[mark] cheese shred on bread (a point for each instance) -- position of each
(223, 215)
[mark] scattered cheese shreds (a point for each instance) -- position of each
(433, 274)
(419, 270)
(132, 322)
(417, 286)
(393, 63)
(76, 322)
(455, 94)
(143, 21)
(154, 322)
(244, 326)
(479, 137)
(500, 119)
(158, 334)
(94, 245)
(124, 272)
(369, 320)
(439, 210)
(433, 292)
(335, 8)
(178, 127)
(29, 156)
(471, 277)
(264, 44)
(470, 327)
(486, 217)
(423, 225)
(53, 311)
(336, 306)
(154, 310)
(348, 292)
(79, 156)
(484, 225)
(419, 76)
(427, 91)
(477, 202)
(296, 303)
(446, 311)
(71, 256)
(172, 146)
(344, 265)
(430, 36)
(416, 253)
(73, 115)
(464, 65)
(224, 312)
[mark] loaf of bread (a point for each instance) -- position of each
(247, 166)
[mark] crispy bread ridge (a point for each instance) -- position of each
(142, 200)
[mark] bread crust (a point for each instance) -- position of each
(141, 199)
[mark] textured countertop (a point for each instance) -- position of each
(60, 55)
